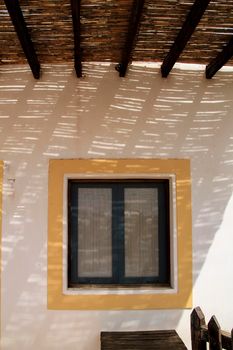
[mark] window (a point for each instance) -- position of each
(118, 232)
(163, 279)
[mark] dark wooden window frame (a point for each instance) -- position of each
(117, 186)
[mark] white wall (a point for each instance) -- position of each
(102, 115)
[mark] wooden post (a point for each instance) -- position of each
(215, 337)
(18, 21)
(221, 59)
(197, 321)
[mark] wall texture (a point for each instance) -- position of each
(104, 116)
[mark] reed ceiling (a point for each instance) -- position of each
(108, 30)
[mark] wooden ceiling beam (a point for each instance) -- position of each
(219, 61)
(134, 23)
(189, 25)
(75, 8)
(18, 21)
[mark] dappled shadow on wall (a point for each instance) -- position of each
(102, 116)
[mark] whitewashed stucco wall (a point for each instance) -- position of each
(102, 115)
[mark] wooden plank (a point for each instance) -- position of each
(214, 331)
(191, 22)
(18, 21)
(232, 339)
(131, 35)
(197, 322)
(75, 8)
(221, 59)
(226, 338)
(147, 340)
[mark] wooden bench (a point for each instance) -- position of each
(147, 340)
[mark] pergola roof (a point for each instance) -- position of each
(119, 31)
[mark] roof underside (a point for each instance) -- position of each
(104, 26)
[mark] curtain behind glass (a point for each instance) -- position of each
(94, 232)
(141, 232)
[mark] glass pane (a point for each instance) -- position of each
(141, 232)
(94, 232)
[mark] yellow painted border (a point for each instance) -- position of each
(57, 170)
(1, 189)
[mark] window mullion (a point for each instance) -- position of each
(73, 234)
(164, 261)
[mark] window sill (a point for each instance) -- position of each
(119, 290)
